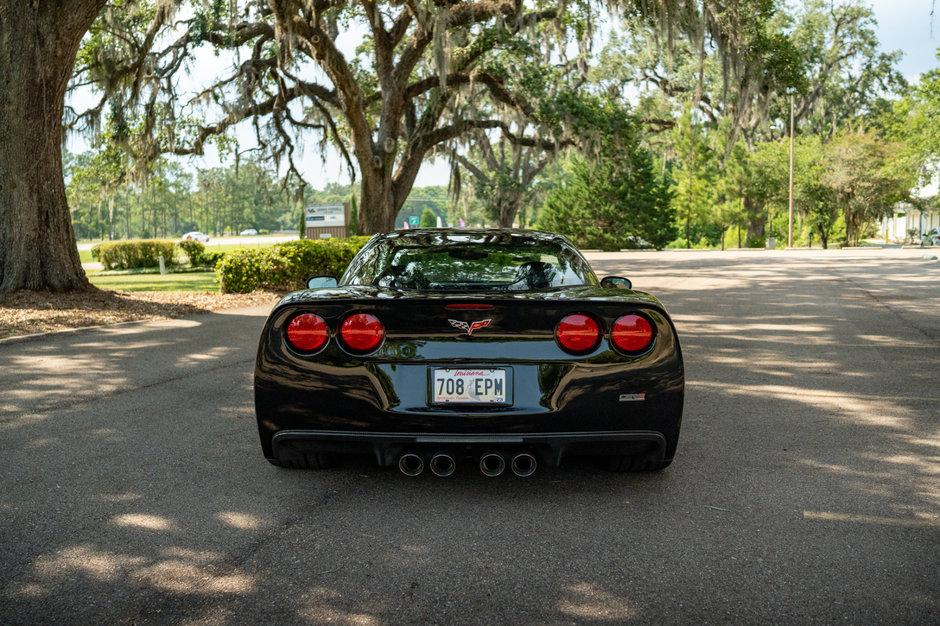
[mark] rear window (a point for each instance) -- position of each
(469, 262)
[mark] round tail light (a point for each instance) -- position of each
(307, 332)
(577, 333)
(362, 332)
(632, 333)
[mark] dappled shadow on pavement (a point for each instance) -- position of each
(834, 364)
(806, 485)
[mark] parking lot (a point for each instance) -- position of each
(806, 487)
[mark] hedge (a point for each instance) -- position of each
(198, 255)
(134, 254)
(285, 266)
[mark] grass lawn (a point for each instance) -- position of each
(189, 281)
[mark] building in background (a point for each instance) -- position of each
(908, 223)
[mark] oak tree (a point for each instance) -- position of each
(38, 44)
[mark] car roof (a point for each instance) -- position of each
(446, 236)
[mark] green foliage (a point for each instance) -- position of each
(353, 216)
(863, 181)
(195, 250)
(926, 114)
(812, 197)
(612, 204)
(428, 219)
(728, 169)
(96, 252)
(199, 255)
(285, 266)
(613, 199)
(912, 123)
(172, 201)
(693, 178)
(133, 254)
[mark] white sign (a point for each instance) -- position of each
(325, 215)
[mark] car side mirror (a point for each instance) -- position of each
(319, 282)
(617, 282)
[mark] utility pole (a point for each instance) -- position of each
(790, 231)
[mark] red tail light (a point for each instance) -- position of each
(632, 333)
(307, 332)
(577, 333)
(362, 332)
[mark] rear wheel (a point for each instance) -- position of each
(644, 462)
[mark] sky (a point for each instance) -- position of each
(912, 26)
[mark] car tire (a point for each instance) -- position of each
(309, 460)
(645, 462)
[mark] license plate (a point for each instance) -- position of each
(468, 386)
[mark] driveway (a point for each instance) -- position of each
(806, 485)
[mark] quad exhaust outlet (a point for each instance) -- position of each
(492, 464)
(411, 464)
(443, 465)
(523, 464)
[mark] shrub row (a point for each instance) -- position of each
(134, 254)
(199, 255)
(285, 266)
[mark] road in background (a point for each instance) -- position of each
(258, 240)
(806, 485)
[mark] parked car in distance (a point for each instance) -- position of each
(248, 232)
(196, 236)
(496, 349)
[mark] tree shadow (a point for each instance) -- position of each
(805, 486)
(28, 312)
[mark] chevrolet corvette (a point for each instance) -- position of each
(495, 349)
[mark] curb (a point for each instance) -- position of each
(74, 330)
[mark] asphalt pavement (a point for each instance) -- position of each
(806, 487)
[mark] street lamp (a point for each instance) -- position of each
(790, 222)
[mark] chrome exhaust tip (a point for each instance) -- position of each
(492, 464)
(524, 464)
(411, 464)
(443, 465)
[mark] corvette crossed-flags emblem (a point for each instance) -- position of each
(469, 327)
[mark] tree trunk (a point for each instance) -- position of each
(377, 204)
(383, 193)
(38, 43)
(756, 219)
(508, 209)
(824, 237)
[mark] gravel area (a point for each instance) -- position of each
(30, 312)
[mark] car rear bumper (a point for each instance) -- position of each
(549, 448)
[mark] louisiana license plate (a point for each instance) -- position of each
(468, 386)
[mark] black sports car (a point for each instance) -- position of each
(494, 348)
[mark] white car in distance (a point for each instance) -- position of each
(196, 236)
